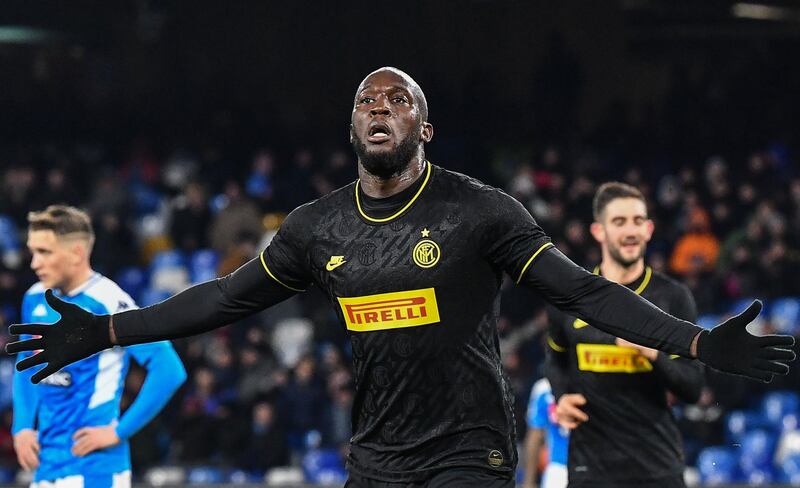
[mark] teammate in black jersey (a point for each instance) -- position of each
(411, 257)
(613, 393)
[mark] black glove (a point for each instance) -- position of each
(77, 335)
(728, 347)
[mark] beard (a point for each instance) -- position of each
(387, 164)
(616, 255)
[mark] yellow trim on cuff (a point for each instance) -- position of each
(405, 207)
(264, 264)
(525, 268)
(554, 346)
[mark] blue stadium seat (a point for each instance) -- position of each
(738, 422)
(203, 265)
(740, 305)
(168, 259)
(146, 199)
(718, 465)
(778, 404)
(708, 321)
(151, 296)
(759, 477)
(791, 421)
(9, 237)
(323, 466)
(132, 280)
(205, 475)
(785, 315)
(791, 469)
(757, 451)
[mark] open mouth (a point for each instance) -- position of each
(378, 132)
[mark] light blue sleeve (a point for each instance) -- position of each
(25, 395)
(537, 413)
(165, 373)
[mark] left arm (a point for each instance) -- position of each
(682, 376)
(514, 242)
(165, 373)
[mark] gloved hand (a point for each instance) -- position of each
(77, 335)
(728, 347)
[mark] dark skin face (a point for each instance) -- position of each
(388, 131)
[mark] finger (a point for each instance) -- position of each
(58, 304)
(44, 372)
(575, 412)
(31, 329)
(774, 340)
(750, 313)
(79, 433)
(776, 353)
(771, 366)
(35, 447)
(32, 361)
(28, 345)
(577, 399)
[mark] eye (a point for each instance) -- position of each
(399, 99)
(366, 100)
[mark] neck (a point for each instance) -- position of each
(78, 280)
(376, 187)
(618, 273)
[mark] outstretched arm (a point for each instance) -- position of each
(617, 310)
(79, 334)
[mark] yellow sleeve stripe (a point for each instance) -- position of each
(264, 264)
(525, 268)
(554, 346)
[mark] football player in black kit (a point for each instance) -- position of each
(411, 257)
(613, 393)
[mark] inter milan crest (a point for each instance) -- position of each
(426, 253)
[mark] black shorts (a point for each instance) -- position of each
(449, 478)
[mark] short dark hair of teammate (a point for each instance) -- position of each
(611, 191)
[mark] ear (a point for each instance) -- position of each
(650, 227)
(427, 132)
(598, 232)
(352, 135)
(78, 251)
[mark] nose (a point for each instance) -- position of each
(381, 107)
(34, 262)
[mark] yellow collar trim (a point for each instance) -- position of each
(648, 273)
(405, 207)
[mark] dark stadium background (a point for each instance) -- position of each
(138, 108)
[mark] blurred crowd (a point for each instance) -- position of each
(264, 391)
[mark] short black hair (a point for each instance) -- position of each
(611, 191)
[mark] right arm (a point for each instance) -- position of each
(203, 307)
(278, 273)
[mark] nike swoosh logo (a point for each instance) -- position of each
(335, 262)
(579, 324)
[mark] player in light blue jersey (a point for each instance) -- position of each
(68, 428)
(542, 424)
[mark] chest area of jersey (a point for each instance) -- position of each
(411, 250)
(396, 274)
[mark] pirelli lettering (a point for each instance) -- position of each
(390, 310)
(608, 358)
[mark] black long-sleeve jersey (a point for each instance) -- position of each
(415, 281)
(631, 436)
